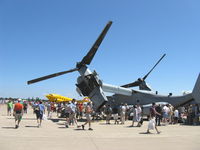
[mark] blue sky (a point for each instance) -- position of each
(40, 37)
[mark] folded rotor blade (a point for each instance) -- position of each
(51, 76)
(153, 67)
(88, 58)
(139, 81)
(136, 83)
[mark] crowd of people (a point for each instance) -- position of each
(73, 111)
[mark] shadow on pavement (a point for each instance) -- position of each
(106, 124)
(145, 133)
(23, 118)
(31, 126)
(8, 127)
(62, 127)
(188, 125)
(132, 126)
(55, 120)
(28, 118)
(78, 129)
(61, 123)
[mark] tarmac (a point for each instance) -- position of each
(54, 136)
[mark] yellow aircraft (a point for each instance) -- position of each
(85, 100)
(59, 99)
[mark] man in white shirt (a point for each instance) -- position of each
(72, 115)
(165, 111)
(122, 113)
(176, 116)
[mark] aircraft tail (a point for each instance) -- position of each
(196, 90)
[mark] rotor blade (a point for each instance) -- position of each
(51, 76)
(88, 58)
(136, 83)
(144, 86)
(153, 67)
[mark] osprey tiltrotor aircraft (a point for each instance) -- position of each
(89, 84)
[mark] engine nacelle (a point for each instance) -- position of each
(90, 86)
(87, 84)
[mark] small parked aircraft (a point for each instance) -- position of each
(60, 99)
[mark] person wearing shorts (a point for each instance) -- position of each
(9, 108)
(18, 112)
(40, 113)
(152, 122)
(88, 112)
(67, 114)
